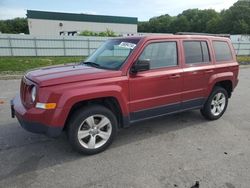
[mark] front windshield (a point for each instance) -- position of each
(112, 54)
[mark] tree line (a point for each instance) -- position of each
(17, 25)
(107, 33)
(235, 20)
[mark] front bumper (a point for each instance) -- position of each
(25, 119)
(39, 128)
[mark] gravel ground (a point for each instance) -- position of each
(174, 151)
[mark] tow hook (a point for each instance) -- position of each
(12, 109)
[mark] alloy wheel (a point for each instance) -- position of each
(94, 131)
(218, 104)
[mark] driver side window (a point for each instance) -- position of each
(160, 54)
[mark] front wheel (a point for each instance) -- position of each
(216, 104)
(92, 129)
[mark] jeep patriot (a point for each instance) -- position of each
(127, 80)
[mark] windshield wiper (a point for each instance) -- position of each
(92, 64)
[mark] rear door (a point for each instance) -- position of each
(197, 69)
(158, 90)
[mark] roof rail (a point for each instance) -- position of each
(206, 34)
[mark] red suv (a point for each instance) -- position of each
(127, 80)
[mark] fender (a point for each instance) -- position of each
(218, 78)
(71, 97)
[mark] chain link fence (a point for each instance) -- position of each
(27, 45)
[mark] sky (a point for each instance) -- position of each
(143, 9)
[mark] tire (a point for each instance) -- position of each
(91, 129)
(216, 104)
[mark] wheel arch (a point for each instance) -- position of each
(110, 102)
(227, 85)
(224, 80)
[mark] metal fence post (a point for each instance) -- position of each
(35, 45)
(88, 46)
(238, 51)
(64, 47)
(10, 46)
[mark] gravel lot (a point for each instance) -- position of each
(174, 151)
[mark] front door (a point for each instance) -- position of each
(157, 91)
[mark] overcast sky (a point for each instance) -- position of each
(143, 9)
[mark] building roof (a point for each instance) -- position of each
(34, 14)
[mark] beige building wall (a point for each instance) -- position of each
(54, 27)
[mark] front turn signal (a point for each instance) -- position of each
(46, 106)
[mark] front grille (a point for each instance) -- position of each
(22, 89)
(25, 92)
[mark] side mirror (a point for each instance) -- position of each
(141, 65)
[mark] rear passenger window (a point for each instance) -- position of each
(196, 52)
(222, 51)
(160, 54)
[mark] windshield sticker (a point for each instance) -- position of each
(127, 45)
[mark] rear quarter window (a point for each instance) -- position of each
(222, 51)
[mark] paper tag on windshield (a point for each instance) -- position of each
(127, 45)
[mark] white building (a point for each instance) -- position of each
(56, 23)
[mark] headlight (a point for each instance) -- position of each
(33, 93)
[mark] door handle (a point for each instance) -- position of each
(174, 76)
(209, 71)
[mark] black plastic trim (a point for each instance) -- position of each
(12, 109)
(126, 122)
(166, 109)
(39, 128)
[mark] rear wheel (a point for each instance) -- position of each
(92, 129)
(216, 104)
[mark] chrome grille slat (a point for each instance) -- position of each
(24, 92)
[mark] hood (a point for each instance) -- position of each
(68, 73)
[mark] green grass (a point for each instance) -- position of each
(243, 59)
(18, 65)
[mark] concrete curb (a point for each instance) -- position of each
(10, 77)
(244, 63)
